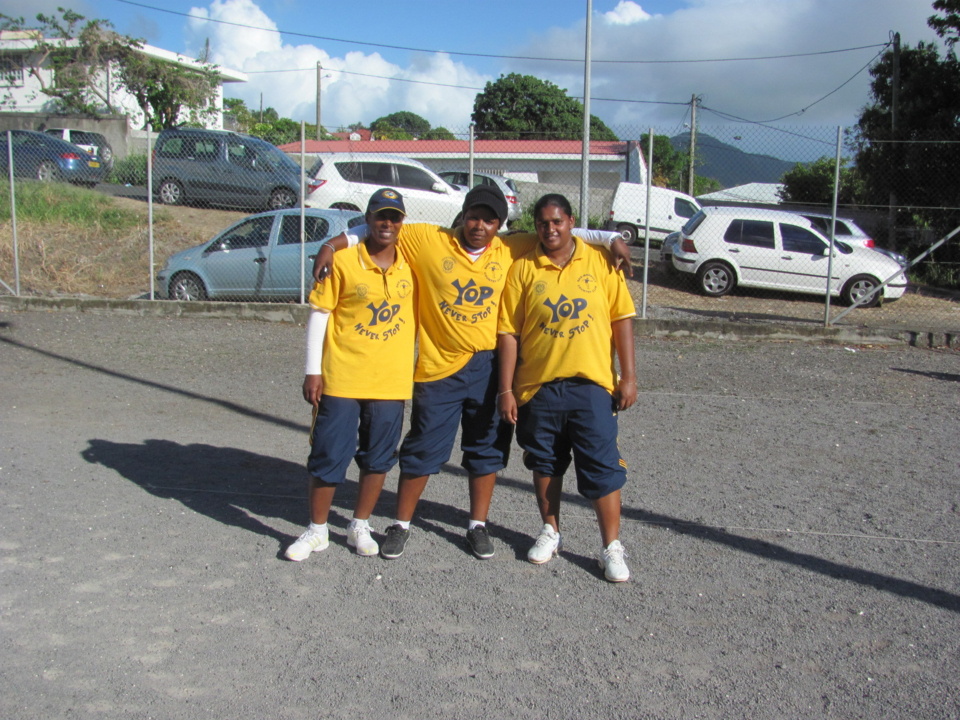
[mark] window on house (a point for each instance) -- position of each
(11, 70)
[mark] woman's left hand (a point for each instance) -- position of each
(626, 393)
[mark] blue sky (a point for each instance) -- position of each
(366, 81)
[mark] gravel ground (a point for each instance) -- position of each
(791, 519)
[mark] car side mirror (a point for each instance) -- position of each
(439, 187)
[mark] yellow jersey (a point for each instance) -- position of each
(369, 345)
(458, 297)
(563, 318)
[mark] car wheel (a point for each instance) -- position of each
(716, 279)
(629, 233)
(281, 198)
(171, 192)
(857, 287)
(187, 286)
(48, 171)
(106, 156)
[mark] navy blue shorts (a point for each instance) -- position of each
(366, 430)
(467, 399)
(578, 416)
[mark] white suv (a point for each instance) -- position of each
(729, 246)
(347, 180)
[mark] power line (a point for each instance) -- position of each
(488, 55)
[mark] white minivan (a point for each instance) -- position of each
(669, 210)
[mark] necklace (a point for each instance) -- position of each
(570, 256)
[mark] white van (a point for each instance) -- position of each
(669, 210)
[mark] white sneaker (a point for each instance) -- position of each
(358, 536)
(612, 562)
(547, 546)
(310, 542)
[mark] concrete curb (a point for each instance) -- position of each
(295, 313)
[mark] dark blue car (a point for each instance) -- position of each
(39, 156)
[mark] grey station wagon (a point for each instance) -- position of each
(223, 168)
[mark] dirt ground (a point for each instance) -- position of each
(791, 520)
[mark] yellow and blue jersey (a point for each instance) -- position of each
(563, 318)
(368, 351)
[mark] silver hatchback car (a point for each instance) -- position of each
(507, 186)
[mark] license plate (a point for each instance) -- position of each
(92, 163)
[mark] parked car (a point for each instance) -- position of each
(729, 246)
(669, 210)
(670, 244)
(851, 233)
(223, 168)
(507, 186)
(257, 258)
(93, 142)
(347, 180)
(39, 156)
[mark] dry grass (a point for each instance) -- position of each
(74, 241)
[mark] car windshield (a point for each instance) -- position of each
(274, 157)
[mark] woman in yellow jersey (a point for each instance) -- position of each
(363, 317)
(564, 311)
(460, 275)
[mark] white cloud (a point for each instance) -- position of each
(356, 87)
(626, 13)
(714, 29)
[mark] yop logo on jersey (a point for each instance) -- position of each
(382, 313)
(471, 293)
(565, 308)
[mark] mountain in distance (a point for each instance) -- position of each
(730, 165)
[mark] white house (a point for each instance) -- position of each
(20, 89)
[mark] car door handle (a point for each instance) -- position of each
(260, 260)
(734, 250)
(786, 257)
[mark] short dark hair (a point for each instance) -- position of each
(554, 199)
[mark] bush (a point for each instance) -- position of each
(131, 170)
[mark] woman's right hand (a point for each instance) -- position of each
(507, 407)
(312, 389)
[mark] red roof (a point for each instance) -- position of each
(460, 147)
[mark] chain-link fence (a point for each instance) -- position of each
(724, 226)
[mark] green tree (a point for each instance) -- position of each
(669, 164)
(167, 93)
(525, 107)
(812, 183)
(405, 122)
(918, 162)
(438, 133)
(383, 130)
(947, 25)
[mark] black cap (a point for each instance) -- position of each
(386, 199)
(490, 196)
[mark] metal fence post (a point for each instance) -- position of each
(13, 217)
(303, 192)
(646, 225)
(833, 227)
(153, 294)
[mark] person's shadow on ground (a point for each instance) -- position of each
(247, 489)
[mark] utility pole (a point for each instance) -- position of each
(897, 149)
(585, 160)
(693, 142)
(319, 76)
